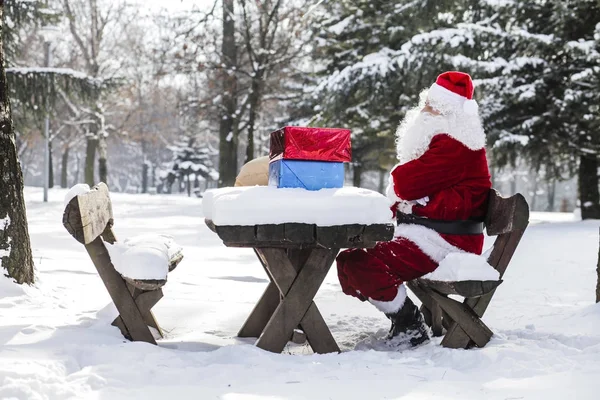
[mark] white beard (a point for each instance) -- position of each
(417, 129)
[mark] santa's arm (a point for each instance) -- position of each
(441, 166)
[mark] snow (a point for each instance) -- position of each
(4, 223)
(269, 205)
(57, 341)
(144, 256)
(464, 267)
(80, 188)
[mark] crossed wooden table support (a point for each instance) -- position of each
(296, 258)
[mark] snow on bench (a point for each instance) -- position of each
(463, 267)
(260, 205)
(144, 257)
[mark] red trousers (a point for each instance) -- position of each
(376, 273)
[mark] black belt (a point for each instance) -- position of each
(456, 227)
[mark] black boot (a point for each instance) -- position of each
(408, 322)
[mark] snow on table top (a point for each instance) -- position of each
(463, 267)
(256, 205)
(144, 256)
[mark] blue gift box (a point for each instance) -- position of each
(310, 175)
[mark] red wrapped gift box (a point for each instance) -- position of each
(319, 144)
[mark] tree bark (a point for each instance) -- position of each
(144, 177)
(589, 195)
(102, 161)
(90, 156)
(50, 166)
(356, 174)
(227, 134)
(64, 164)
(598, 281)
(551, 195)
(254, 105)
(15, 246)
(382, 182)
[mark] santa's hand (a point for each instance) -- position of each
(422, 201)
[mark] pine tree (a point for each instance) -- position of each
(191, 159)
(370, 76)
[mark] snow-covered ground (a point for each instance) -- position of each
(56, 341)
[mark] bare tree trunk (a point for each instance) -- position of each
(598, 282)
(50, 166)
(145, 177)
(77, 170)
(102, 162)
(551, 194)
(227, 133)
(589, 195)
(15, 247)
(534, 191)
(382, 183)
(254, 104)
(90, 155)
(356, 174)
(64, 166)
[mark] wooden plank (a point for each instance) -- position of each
(280, 267)
(461, 288)
(317, 333)
(297, 301)
(506, 215)
(263, 310)
(145, 301)
(466, 318)
(96, 212)
(270, 233)
(332, 236)
(313, 325)
(436, 321)
(303, 234)
(87, 215)
(237, 234)
(117, 288)
(261, 313)
(378, 233)
(296, 235)
(146, 284)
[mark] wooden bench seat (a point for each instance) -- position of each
(460, 322)
(89, 219)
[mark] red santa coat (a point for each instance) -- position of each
(456, 181)
(446, 177)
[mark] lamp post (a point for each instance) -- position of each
(46, 128)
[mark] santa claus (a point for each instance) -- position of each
(439, 190)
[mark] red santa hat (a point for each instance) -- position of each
(453, 90)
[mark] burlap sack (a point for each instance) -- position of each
(254, 172)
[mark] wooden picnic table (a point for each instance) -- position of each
(296, 257)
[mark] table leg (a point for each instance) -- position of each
(299, 290)
(262, 311)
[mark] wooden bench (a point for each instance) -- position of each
(89, 219)
(507, 218)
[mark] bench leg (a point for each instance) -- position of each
(297, 307)
(118, 291)
(464, 317)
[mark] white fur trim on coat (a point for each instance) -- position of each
(429, 241)
(390, 307)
